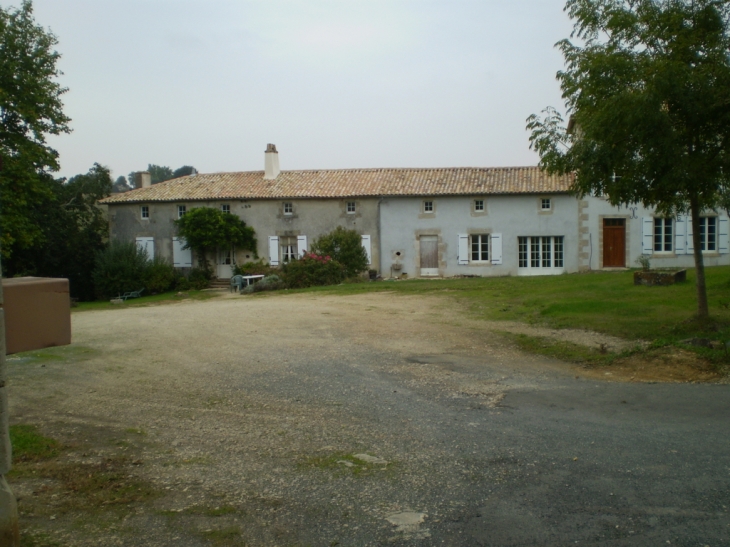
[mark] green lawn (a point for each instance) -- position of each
(147, 300)
(603, 302)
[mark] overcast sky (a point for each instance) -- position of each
(334, 84)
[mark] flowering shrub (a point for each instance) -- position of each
(344, 246)
(313, 269)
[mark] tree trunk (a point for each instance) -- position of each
(703, 311)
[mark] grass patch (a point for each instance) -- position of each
(230, 535)
(155, 299)
(195, 460)
(341, 462)
(80, 486)
(58, 354)
(565, 351)
(33, 538)
(90, 486)
(30, 446)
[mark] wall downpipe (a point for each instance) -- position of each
(380, 240)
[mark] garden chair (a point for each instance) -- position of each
(132, 294)
(237, 283)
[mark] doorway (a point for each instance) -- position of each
(225, 264)
(429, 256)
(614, 243)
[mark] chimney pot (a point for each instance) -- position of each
(142, 179)
(271, 162)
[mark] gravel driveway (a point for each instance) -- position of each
(365, 420)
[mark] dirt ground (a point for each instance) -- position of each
(204, 416)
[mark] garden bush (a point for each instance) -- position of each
(159, 276)
(121, 267)
(199, 278)
(313, 270)
(254, 268)
(268, 283)
(345, 247)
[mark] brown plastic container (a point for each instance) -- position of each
(37, 313)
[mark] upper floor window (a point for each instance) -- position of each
(181, 210)
(145, 211)
(663, 235)
(226, 208)
(708, 233)
(478, 205)
(546, 204)
(428, 206)
(350, 206)
(288, 208)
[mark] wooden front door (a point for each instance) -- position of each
(429, 255)
(614, 243)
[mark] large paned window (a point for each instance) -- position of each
(708, 233)
(480, 248)
(540, 251)
(663, 235)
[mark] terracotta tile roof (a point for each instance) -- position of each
(341, 183)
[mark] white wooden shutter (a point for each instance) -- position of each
(690, 240)
(148, 245)
(274, 250)
(463, 257)
(680, 235)
(496, 248)
(722, 233)
(366, 245)
(301, 246)
(181, 258)
(647, 235)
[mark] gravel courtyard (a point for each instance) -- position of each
(295, 420)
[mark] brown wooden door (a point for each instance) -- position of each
(614, 243)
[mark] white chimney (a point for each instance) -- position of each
(271, 163)
(142, 179)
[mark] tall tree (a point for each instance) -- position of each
(121, 185)
(73, 229)
(30, 109)
(159, 173)
(647, 88)
(184, 171)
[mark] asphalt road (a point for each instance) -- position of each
(276, 398)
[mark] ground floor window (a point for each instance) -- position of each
(540, 251)
(288, 248)
(663, 235)
(708, 233)
(480, 248)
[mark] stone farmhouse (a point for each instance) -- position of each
(417, 222)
